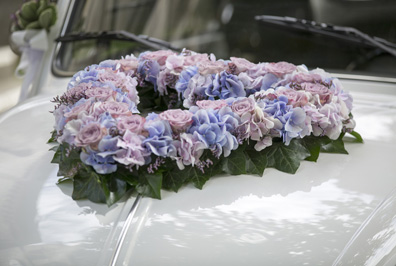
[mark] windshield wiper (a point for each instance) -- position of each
(122, 35)
(344, 33)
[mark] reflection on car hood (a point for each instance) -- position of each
(279, 218)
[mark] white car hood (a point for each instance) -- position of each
(278, 219)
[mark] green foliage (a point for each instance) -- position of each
(110, 188)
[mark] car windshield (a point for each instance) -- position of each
(230, 28)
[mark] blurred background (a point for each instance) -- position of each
(9, 84)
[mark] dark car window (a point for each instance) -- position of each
(228, 28)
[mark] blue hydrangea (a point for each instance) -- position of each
(149, 71)
(102, 159)
(213, 132)
(89, 74)
(226, 85)
(159, 141)
(292, 119)
(184, 78)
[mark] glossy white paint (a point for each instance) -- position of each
(305, 219)
(39, 223)
(279, 219)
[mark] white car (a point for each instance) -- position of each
(340, 210)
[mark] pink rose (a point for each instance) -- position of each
(90, 134)
(175, 63)
(133, 123)
(306, 77)
(280, 69)
(209, 104)
(159, 56)
(210, 67)
(242, 64)
(295, 98)
(101, 93)
(81, 106)
(78, 91)
(115, 109)
(128, 65)
(121, 80)
(193, 59)
(245, 105)
(318, 91)
(177, 118)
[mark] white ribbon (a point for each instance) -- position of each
(32, 44)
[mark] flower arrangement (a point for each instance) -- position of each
(202, 117)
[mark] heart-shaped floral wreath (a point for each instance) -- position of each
(202, 117)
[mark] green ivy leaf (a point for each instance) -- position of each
(175, 178)
(286, 158)
(150, 185)
(87, 184)
(335, 146)
(314, 145)
(114, 188)
(257, 160)
(235, 163)
(357, 136)
(69, 163)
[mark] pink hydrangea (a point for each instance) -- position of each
(132, 151)
(189, 150)
(256, 125)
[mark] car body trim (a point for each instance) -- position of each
(124, 231)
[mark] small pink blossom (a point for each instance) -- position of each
(280, 69)
(177, 118)
(209, 104)
(244, 105)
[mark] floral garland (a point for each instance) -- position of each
(210, 117)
